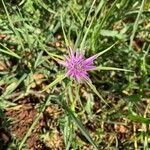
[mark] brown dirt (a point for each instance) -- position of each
(22, 116)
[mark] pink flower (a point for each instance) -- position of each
(77, 65)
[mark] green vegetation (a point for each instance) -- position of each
(41, 108)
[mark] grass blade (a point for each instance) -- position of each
(58, 79)
(9, 52)
(13, 86)
(135, 26)
(54, 56)
(80, 125)
(107, 15)
(82, 28)
(86, 33)
(34, 122)
(12, 26)
(111, 69)
(64, 34)
(106, 50)
(96, 92)
(45, 6)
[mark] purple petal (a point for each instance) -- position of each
(71, 52)
(77, 66)
(90, 60)
(86, 77)
(63, 63)
(67, 58)
(79, 54)
(69, 73)
(89, 67)
(78, 78)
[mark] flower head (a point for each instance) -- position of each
(77, 65)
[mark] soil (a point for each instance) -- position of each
(20, 119)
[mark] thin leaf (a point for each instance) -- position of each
(82, 28)
(111, 68)
(13, 86)
(88, 29)
(46, 6)
(95, 91)
(111, 33)
(39, 59)
(139, 119)
(12, 26)
(32, 127)
(60, 78)
(107, 16)
(62, 25)
(80, 125)
(44, 48)
(9, 52)
(106, 50)
(135, 26)
(4, 103)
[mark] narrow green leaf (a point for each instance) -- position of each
(88, 29)
(58, 79)
(80, 125)
(39, 59)
(44, 48)
(111, 33)
(95, 91)
(111, 68)
(80, 35)
(45, 6)
(109, 12)
(106, 50)
(4, 103)
(9, 52)
(62, 25)
(12, 26)
(135, 26)
(139, 119)
(13, 86)
(32, 127)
